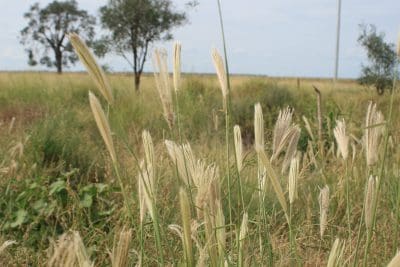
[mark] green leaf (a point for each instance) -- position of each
(20, 217)
(86, 201)
(56, 187)
(101, 187)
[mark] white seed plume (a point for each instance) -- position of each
(259, 145)
(238, 146)
(220, 227)
(374, 129)
(148, 147)
(274, 181)
(294, 173)
(258, 127)
(281, 131)
(323, 207)
(308, 127)
(183, 157)
(336, 254)
(205, 180)
(163, 84)
(342, 139)
(69, 251)
(146, 190)
(395, 262)
(186, 217)
(92, 67)
(102, 124)
(120, 252)
(291, 150)
(177, 66)
(398, 46)
(6, 244)
(369, 200)
(221, 73)
(244, 227)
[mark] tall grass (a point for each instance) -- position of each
(269, 210)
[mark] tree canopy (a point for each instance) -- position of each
(382, 59)
(133, 25)
(45, 34)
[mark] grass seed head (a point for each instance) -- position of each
(398, 46)
(336, 255)
(238, 146)
(163, 84)
(102, 124)
(93, 68)
(258, 127)
(374, 129)
(186, 217)
(395, 262)
(221, 73)
(282, 131)
(369, 200)
(323, 207)
(342, 139)
(146, 190)
(120, 252)
(177, 66)
(293, 178)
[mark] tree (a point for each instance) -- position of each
(47, 29)
(135, 24)
(382, 57)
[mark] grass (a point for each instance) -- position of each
(56, 174)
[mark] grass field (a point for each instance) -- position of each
(197, 206)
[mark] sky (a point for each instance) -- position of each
(268, 37)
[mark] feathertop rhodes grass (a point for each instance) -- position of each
(276, 208)
(92, 67)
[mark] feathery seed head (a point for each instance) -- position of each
(369, 200)
(163, 85)
(244, 227)
(183, 157)
(324, 207)
(336, 254)
(186, 217)
(102, 124)
(221, 73)
(281, 131)
(374, 129)
(274, 181)
(292, 138)
(308, 127)
(293, 178)
(258, 127)
(120, 252)
(342, 139)
(146, 190)
(148, 147)
(238, 146)
(177, 65)
(395, 262)
(92, 67)
(398, 46)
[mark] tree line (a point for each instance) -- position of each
(129, 27)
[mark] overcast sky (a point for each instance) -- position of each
(272, 37)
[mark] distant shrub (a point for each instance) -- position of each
(271, 97)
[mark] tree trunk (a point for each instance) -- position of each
(137, 82)
(59, 61)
